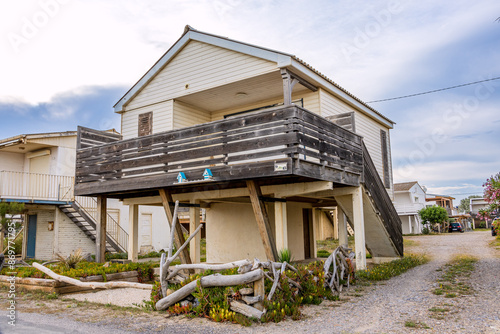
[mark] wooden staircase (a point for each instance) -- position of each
(88, 225)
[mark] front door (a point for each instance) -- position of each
(31, 242)
(145, 230)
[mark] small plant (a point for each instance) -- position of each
(72, 260)
(426, 230)
(52, 295)
(285, 255)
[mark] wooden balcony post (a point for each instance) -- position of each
(259, 209)
(100, 240)
(133, 232)
(179, 240)
(359, 228)
(342, 227)
(194, 222)
(281, 225)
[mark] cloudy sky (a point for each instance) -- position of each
(65, 63)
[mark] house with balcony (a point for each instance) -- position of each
(409, 199)
(442, 201)
(39, 170)
(261, 140)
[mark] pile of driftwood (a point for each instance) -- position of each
(337, 270)
(337, 273)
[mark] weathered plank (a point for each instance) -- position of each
(260, 211)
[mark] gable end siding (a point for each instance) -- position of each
(199, 66)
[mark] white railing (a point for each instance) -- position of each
(113, 228)
(412, 208)
(34, 186)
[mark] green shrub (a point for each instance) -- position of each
(482, 224)
(426, 230)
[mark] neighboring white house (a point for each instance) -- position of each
(477, 204)
(39, 170)
(409, 198)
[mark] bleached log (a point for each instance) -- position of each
(208, 281)
(93, 285)
(250, 300)
(246, 310)
(204, 266)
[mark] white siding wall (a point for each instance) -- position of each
(331, 105)
(365, 126)
(200, 66)
(71, 237)
(11, 161)
(162, 119)
(185, 115)
(44, 246)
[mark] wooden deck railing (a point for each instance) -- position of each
(34, 186)
(383, 203)
(243, 147)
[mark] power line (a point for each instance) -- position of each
(434, 91)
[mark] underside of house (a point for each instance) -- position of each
(263, 142)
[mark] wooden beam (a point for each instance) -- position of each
(262, 218)
(166, 198)
(194, 222)
(100, 240)
(133, 232)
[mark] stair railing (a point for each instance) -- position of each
(113, 228)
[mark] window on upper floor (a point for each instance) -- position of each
(145, 124)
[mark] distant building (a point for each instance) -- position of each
(409, 198)
(477, 204)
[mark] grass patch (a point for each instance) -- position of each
(439, 310)
(416, 324)
(387, 270)
(495, 243)
(329, 245)
(453, 282)
(410, 242)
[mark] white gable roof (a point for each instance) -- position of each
(280, 58)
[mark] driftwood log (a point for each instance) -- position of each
(208, 281)
(93, 285)
(245, 309)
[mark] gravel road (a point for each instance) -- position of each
(380, 308)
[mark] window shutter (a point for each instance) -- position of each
(145, 124)
(385, 158)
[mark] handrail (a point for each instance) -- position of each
(36, 186)
(113, 228)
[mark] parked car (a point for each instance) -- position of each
(455, 227)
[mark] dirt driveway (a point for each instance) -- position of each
(380, 308)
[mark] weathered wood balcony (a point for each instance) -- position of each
(280, 145)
